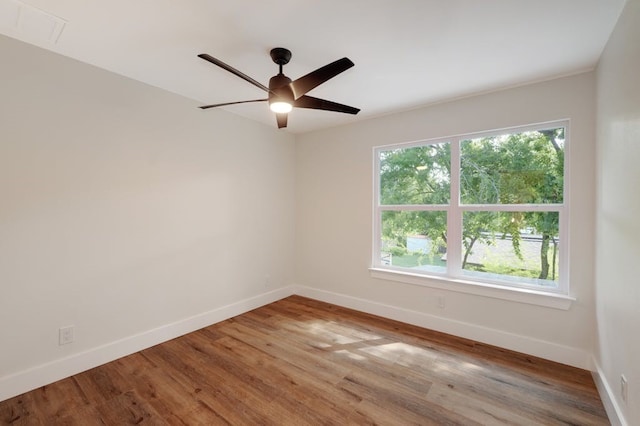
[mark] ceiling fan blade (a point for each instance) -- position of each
(231, 103)
(281, 117)
(319, 76)
(316, 103)
(232, 70)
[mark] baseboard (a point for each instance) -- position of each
(616, 417)
(24, 381)
(539, 348)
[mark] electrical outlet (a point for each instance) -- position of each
(65, 335)
(624, 387)
(441, 302)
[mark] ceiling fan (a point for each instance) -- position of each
(284, 94)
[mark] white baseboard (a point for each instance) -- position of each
(24, 381)
(616, 417)
(539, 348)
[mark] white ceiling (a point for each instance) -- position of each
(408, 53)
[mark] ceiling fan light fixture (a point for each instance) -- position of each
(280, 107)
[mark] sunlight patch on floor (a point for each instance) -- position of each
(351, 355)
(338, 334)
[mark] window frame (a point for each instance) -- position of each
(453, 278)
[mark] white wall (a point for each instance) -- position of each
(618, 212)
(334, 181)
(124, 209)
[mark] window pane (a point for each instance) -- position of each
(413, 239)
(417, 175)
(522, 247)
(517, 168)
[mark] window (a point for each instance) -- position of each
(483, 208)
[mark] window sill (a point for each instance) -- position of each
(531, 297)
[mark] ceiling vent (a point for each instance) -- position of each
(23, 21)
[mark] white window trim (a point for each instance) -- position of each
(453, 279)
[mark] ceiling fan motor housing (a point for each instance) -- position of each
(279, 89)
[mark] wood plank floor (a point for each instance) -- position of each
(304, 362)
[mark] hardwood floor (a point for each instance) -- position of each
(304, 362)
